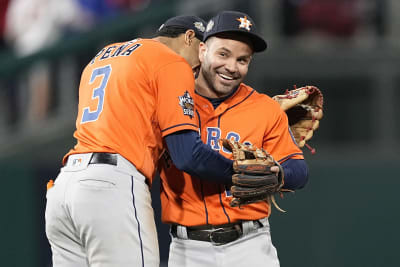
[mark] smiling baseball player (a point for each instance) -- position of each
(206, 230)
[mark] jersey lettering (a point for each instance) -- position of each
(107, 52)
(98, 92)
(231, 136)
(118, 51)
(129, 51)
(213, 135)
(98, 54)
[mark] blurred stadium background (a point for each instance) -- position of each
(348, 213)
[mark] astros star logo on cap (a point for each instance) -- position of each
(244, 23)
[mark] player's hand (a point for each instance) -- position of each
(257, 175)
(275, 169)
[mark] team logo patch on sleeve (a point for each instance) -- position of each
(187, 104)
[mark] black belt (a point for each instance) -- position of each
(104, 158)
(218, 234)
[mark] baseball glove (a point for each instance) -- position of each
(304, 108)
(253, 180)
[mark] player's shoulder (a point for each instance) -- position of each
(265, 100)
(159, 49)
(149, 55)
(161, 56)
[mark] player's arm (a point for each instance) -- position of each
(296, 173)
(191, 155)
(280, 143)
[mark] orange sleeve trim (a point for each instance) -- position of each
(297, 155)
(178, 125)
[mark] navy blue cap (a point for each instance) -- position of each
(235, 22)
(186, 23)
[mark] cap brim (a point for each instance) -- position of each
(258, 42)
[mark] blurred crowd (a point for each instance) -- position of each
(28, 26)
(338, 18)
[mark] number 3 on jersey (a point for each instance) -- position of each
(98, 92)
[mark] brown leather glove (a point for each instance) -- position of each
(304, 108)
(253, 180)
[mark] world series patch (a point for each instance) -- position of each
(187, 104)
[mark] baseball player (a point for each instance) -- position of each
(205, 229)
(135, 98)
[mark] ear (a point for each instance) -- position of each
(189, 36)
(202, 51)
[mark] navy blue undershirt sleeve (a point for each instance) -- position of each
(296, 173)
(191, 155)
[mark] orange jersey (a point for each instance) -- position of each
(130, 96)
(247, 117)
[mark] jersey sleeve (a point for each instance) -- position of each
(175, 103)
(279, 141)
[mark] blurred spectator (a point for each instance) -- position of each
(3, 11)
(337, 18)
(135, 5)
(333, 17)
(104, 9)
(99, 9)
(32, 25)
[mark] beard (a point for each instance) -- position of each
(216, 85)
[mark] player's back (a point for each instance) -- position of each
(118, 101)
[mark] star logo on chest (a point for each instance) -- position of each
(244, 23)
